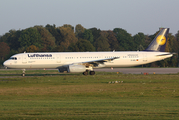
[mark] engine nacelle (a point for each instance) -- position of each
(72, 68)
(76, 68)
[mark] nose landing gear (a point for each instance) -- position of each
(23, 72)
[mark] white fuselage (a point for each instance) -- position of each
(58, 59)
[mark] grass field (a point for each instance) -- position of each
(50, 95)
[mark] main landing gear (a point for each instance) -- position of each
(91, 72)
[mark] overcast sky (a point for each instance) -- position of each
(132, 15)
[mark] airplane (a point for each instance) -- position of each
(84, 62)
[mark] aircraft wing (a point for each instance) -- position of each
(95, 63)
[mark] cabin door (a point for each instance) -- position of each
(24, 58)
(58, 58)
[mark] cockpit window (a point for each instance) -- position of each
(12, 58)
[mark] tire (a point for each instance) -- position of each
(92, 72)
(85, 73)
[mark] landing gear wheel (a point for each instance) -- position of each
(23, 74)
(85, 73)
(92, 72)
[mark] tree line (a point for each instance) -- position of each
(67, 38)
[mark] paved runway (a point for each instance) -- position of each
(132, 70)
(141, 70)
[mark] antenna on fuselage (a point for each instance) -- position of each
(24, 51)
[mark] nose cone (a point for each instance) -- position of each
(5, 63)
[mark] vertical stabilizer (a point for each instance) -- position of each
(159, 42)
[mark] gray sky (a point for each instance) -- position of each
(132, 15)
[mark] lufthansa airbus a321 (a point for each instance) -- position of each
(85, 61)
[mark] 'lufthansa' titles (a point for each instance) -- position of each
(39, 55)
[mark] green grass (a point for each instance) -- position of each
(74, 96)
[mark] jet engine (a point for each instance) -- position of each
(72, 68)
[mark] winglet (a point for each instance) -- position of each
(159, 42)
